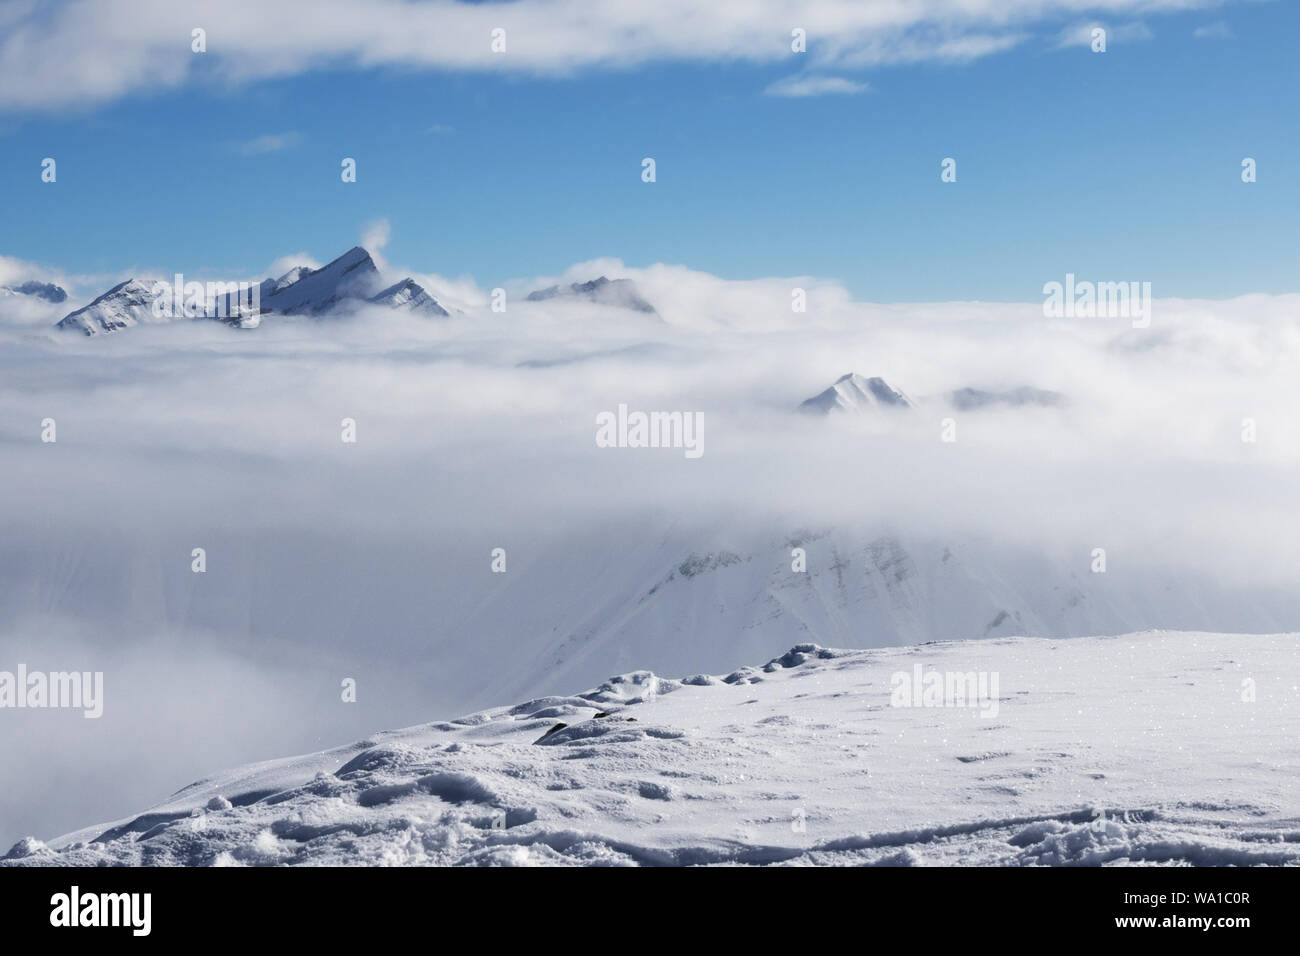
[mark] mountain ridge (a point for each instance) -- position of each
(342, 285)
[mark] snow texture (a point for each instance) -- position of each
(348, 281)
(127, 304)
(410, 296)
(853, 393)
(1140, 749)
(352, 275)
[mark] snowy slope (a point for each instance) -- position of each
(125, 305)
(352, 275)
(589, 604)
(286, 280)
(1136, 749)
(852, 392)
(350, 278)
(410, 296)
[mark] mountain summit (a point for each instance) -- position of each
(126, 304)
(411, 296)
(622, 293)
(852, 392)
(352, 275)
(350, 280)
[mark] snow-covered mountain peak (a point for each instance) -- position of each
(352, 278)
(126, 304)
(352, 275)
(853, 392)
(602, 290)
(411, 296)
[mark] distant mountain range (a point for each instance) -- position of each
(856, 394)
(968, 399)
(350, 282)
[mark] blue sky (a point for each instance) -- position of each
(1116, 166)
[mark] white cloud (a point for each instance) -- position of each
(31, 311)
(77, 53)
(328, 560)
(19, 270)
(1218, 30)
(805, 85)
(269, 143)
(283, 264)
(456, 294)
(1080, 34)
(374, 239)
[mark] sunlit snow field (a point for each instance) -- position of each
(1138, 749)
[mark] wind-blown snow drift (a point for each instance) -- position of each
(1146, 748)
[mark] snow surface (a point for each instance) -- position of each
(852, 392)
(127, 304)
(411, 296)
(288, 279)
(1140, 749)
(351, 275)
(349, 279)
(599, 601)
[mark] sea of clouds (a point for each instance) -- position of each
(478, 431)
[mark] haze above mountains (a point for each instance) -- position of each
(348, 284)
(475, 431)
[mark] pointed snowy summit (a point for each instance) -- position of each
(126, 304)
(410, 296)
(350, 279)
(304, 291)
(853, 393)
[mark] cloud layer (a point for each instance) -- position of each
(81, 52)
(326, 559)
